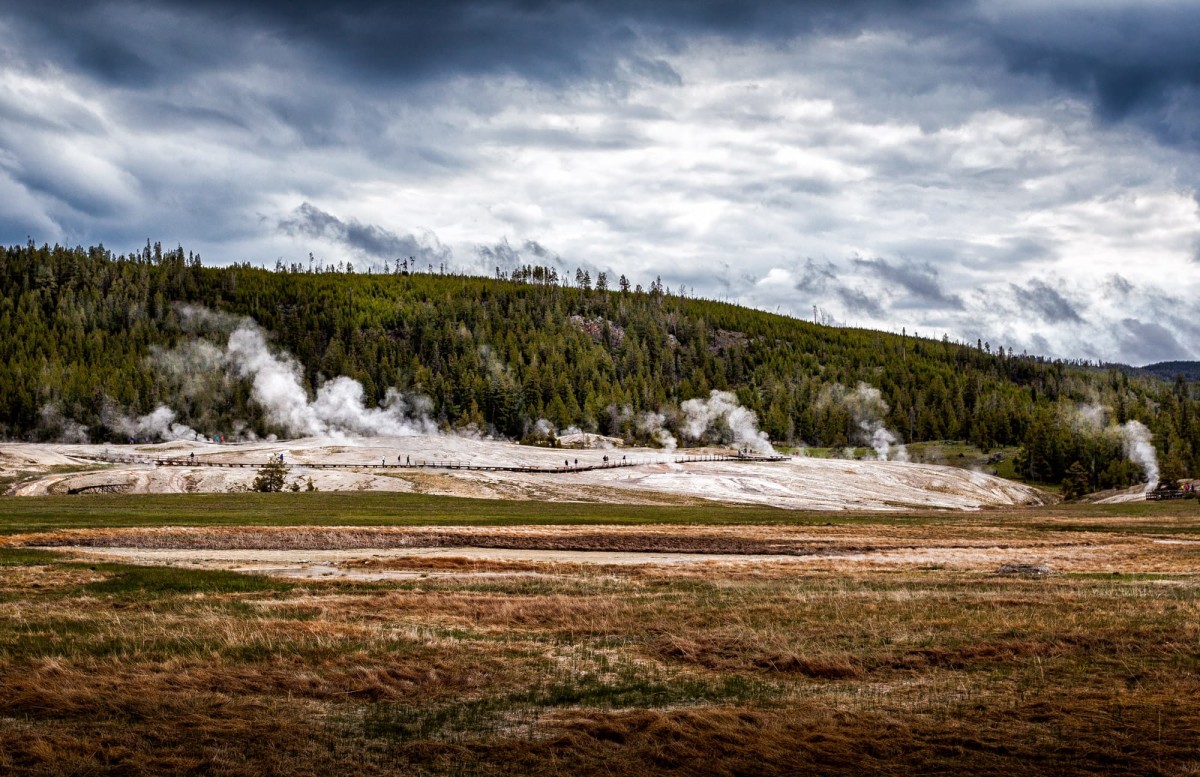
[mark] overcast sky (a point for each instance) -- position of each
(1020, 172)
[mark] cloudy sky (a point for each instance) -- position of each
(1020, 172)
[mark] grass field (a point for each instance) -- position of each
(489, 667)
(20, 515)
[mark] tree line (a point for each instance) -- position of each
(78, 327)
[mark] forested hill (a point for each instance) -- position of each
(1171, 370)
(83, 334)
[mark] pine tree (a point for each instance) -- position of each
(271, 477)
(1075, 481)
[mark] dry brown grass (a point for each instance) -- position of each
(887, 667)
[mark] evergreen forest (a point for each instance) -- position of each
(79, 327)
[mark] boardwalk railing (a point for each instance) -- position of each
(1173, 493)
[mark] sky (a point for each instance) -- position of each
(1023, 173)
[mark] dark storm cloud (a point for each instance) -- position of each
(364, 239)
(1137, 61)
(948, 251)
(123, 43)
(508, 258)
(1042, 299)
(1149, 342)
(814, 277)
(919, 280)
(1134, 62)
(540, 251)
(500, 255)
(858, 301)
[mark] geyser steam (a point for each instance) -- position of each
(159, 424)
(654, 424)
(1135, 437)
(338, 407)
(201, 372)
(722, 416)
(867, 407)
(1139, 450)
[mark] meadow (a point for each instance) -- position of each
(483, 666)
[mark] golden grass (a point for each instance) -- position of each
(834, 666)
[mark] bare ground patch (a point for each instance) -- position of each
(322, 551)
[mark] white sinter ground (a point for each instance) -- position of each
(799, 483)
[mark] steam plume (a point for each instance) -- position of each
(867, 407)
(722, 416)
(1139, 450)
(654, 424)
(1135, 437)
(157, 425)
(338, 407)
(203, 373)
(60, 426)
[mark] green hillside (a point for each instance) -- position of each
(84, 334)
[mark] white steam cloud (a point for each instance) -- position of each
(338, 408)
(654, 424)
(1135, 437)
(722, 417)
(1089, 418)
(203, 373)
(1139, 450)
(60, 426)
(867, 407)
(157, 425)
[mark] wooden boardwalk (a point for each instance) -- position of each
(101, 488)
(186, 461)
